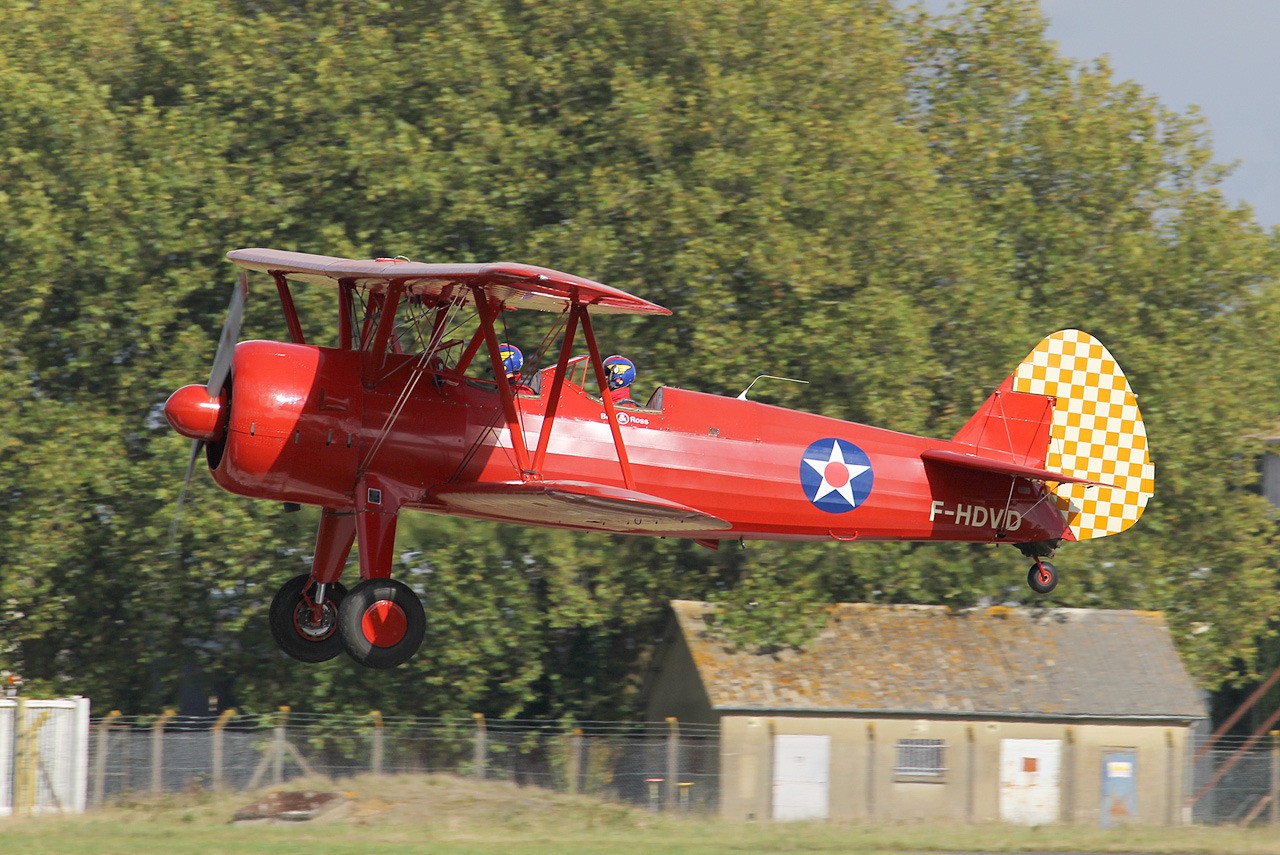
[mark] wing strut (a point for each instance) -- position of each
(346, 310)
(553, 402)
(610, 411)
(290, 310)
(376, 356)
(488, 313)
(418, 368)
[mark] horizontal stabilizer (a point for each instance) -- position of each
(1004, 467)
(576, 504)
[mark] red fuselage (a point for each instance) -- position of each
(301, 427)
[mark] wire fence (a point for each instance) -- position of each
(1236, 781)
(665, 766)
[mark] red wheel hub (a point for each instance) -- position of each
(384, 624)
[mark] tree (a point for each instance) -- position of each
(890, 205)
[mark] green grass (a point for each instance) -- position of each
(440, 814)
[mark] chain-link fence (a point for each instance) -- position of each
(1235, 781)
(669, 765)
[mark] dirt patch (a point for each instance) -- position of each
(443, 803)
(290, 806)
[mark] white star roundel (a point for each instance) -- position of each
(836, 475)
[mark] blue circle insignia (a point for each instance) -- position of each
(836, 475)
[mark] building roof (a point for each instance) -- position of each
(933, 660)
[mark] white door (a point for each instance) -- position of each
(1029, 773)
(801, 774)
(8, 711)
(60, 731)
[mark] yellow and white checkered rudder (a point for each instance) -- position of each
(1097, 433)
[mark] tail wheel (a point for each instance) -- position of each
(1042, 577)
(300, 629)
(381, 623)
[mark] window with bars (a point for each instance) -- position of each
(921, 760)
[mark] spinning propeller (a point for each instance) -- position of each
(199, 412)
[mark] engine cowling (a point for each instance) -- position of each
(292, 424)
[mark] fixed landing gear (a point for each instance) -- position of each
(379, 623)
(1042, 577)
(382, 623)
(305, 630)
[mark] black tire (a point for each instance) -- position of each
(1042, 577)
(293, 629)
(381, 623)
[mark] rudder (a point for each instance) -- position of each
(1096, 432)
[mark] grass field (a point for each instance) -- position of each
(439, 814)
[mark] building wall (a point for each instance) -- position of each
(864, 786)
(1271, 474)
(674, 688)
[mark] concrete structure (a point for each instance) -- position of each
(1271, 467)
(922, 712)
(44, 755)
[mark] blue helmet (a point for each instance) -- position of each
(619, 371)
(512, 358)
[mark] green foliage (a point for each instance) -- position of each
(893, 206)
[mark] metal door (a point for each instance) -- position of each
(1119, 787)
(57, 760)
(1029, 773)
(801, 775)
(8, 713)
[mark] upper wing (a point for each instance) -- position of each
(519, 286)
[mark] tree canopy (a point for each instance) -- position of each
(891, 205)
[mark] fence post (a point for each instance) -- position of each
(377, 741)
(1275, 777)
(871, 769)
(673, 762)
(21, 763)
(157, 750)
(219, 727)
(970, 773)
(277, 764)
(1067, 777)
(100, 760)
(574, 767)
(480, 753)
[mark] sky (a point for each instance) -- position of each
(1222, 56)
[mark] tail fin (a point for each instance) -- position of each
(1086, 425)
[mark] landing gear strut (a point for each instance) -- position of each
(1042, 577)
(380, 622)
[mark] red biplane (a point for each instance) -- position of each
(405, 413)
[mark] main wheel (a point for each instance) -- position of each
(295, 626)
(1042, 577)
(382, 623)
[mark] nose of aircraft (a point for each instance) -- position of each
(194, 414)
